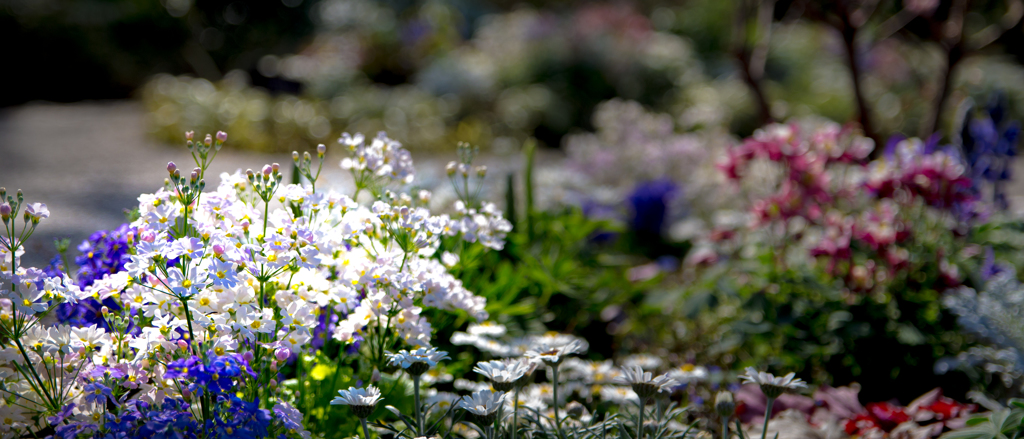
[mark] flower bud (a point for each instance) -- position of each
(574, 409)
(321, 149)
(725, 405)
(273, 365)
(171, 167)
(275, 167)
(222, 136)
(306, 156)
(182, 345)
(247, 356)
(218, 249)
(105, 311)
(295, 156)
(450, 169)
(282, 354)
(273, 384)
(208, 140)
(250, 174)
(5, 211)
(481, 171)
(186, 395)
(375, 376)
(267, 169)
(189, 135)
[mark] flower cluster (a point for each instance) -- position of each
(936, 175)
(812, 188)
(208, 294)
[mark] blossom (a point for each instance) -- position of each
(771, 385)
(36, 212)
(503, 374)
(98, 393)
(642, 382)
(362, 401)
(484, 404)
(553, 354)
(417, 362)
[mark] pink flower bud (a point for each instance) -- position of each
(273, 365)
(275, 167)
(189, 135)
(148, 235)
(273, 384)
(182, 345)
(5, 210)
(247, 356)
(208, 140)
(218, 249)
(282, 354)
(321, 149)
(171, 167)
(222, 136)
(267, 170)
(105, 311)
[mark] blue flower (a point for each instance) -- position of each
(98, 393)
(649, 203)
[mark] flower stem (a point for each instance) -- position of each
(640, 419)
(515, 414)
(725, 428)
(767, 417)
(366, 431)
(554, 390)
(416, 401)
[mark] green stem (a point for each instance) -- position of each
(416, 407)
(515, 414)
(767, 417)
(554, 390)
(640, 419)
(725, 428)
(366, 431)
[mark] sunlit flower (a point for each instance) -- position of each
(362, 401)
(484, 404)
(643, 383)
(503, 374)
(555, 354)
(771, 385)
(418, 361)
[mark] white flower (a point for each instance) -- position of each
(482, 403)
(406, 359)
(362, 401)
(36, 211)
(503, 373)
(554, 354)
(771, 385)
(689, 373)
(368, 396)
(643, 383)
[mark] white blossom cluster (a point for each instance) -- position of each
(250, 268)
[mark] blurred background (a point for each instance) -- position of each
(629, 104)
(287, 75)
